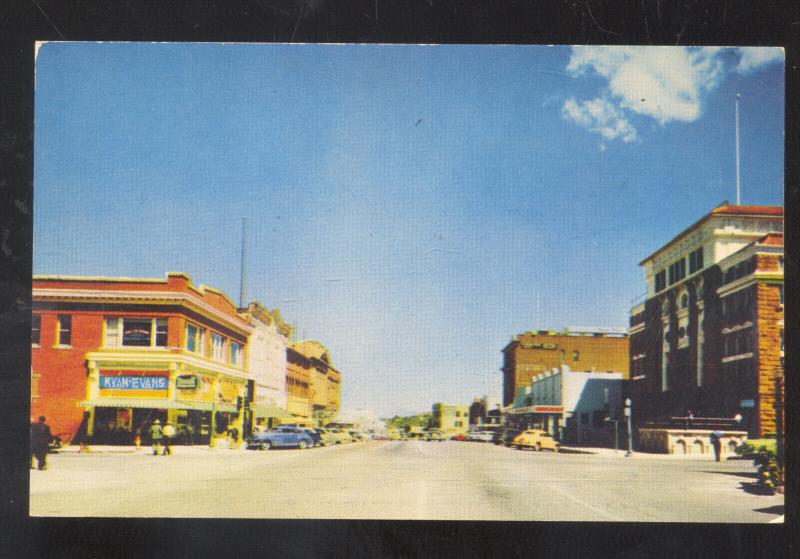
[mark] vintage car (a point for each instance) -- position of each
(280, 437)
(480, 436)
(340, 436)
(435, 435)
(536, 439)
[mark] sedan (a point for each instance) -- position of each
(480, 436)
(280, 437)
(536, 439)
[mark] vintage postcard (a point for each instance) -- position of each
(440, 282)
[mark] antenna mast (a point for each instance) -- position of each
(738, 187)
(243, 273)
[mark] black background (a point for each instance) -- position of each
(665, 22)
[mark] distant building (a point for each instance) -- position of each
(583, 349)
(477, 412)
(708, 335)
(325, 381)
(452, 419)
(111, 355)
(298, 386)
(266, 363)
(571, 405)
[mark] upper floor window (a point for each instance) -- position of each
(780, 293)
(684, 301)
(661, 281)
(575, 355)
(677, 271)
(740, 270)
(64, 332)
(236, 354)
(217, 347)
(195, 337)
(696, 260)
(36, 329)
(136, 332)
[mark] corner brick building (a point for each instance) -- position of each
(708, 336)
(588, 349)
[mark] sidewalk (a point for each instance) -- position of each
(643, 455)
(144, 449)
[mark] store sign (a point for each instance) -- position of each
(747, 403)
(133, 383)
(186, 382)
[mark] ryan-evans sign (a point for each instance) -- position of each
(133, 383)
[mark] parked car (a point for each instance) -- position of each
(458, 437)
(357, 435)
(435, 435)
(480, 436)
(536, 439)
(505, 436)
(280, 437)
(340, 436)
(326, 437)
(315, 435)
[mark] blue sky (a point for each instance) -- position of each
(411, 207)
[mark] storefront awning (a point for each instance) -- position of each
(265, 410)
(155, 403)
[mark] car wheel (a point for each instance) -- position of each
(266, 445)
(538, 447)
(302, 445)
(557, 448)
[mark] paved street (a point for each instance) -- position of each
(400, 480)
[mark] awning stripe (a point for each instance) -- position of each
(155, 403)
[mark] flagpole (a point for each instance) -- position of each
(738, 187)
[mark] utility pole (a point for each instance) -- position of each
(738, 187)
(243, 283)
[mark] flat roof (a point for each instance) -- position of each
(723, 210)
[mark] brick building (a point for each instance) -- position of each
(298, 386)
(586, 349)
(111, 355)
(708, 336)
(325, 380)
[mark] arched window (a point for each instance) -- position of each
(684, 301)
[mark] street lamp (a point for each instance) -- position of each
(630, 431)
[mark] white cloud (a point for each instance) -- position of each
(663, 83)
(601, 116)
(754, 58)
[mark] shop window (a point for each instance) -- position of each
(236, 354)
(36, 329)
(217, 347)
(64, 332)
(575, 356)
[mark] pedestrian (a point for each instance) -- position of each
(40, 442)
(155, 435)
(716, 442)
(168, 434)
(189, 431)
(137, 439)
(234, 434)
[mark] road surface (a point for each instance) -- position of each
(400, 480)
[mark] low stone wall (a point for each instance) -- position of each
(687, 441)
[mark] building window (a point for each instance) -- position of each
(661, 280)
(575, 356)
(136, 332)
(696, 260)
(217, 347)
(677, 271)
(780, 294)
(194, 338)
(684, 301)
(36, 329)
(236, 354)
(64, 334)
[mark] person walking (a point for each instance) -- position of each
(168, 433)
(716, 442)
(40, 442)
(156, 435)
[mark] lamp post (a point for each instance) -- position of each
(630, 431)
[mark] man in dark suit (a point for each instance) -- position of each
(40, 443)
